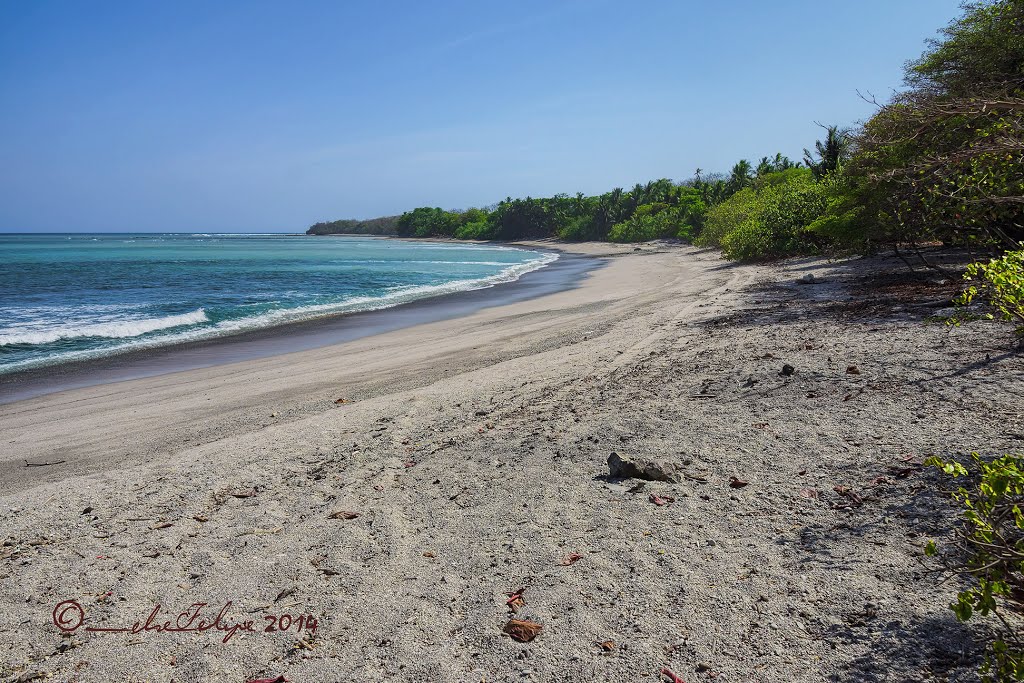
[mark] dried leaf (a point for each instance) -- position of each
(342, 401)
(522, 630)
(409, 463)
(201, 518)
(162, 525)
(607, 645)
(737, 483)
(343, 514)
(571, 558)
(243, 493)
(810, 493)
(278, 679)
(848, 493)
(661, 500)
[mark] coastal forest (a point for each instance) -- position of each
(942, 161)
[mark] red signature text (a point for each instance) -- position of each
(69, 617)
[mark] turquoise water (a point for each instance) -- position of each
(66, 297)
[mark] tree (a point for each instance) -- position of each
(831, 152)
(739, 177)
(945, 159)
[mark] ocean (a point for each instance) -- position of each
(67, 297)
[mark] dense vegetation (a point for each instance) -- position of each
(388, 225)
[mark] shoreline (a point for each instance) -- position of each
(562, 274)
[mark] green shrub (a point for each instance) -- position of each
(769, 220)
(1000, 282)
(988, 551)
(727, 217)
(476, 230)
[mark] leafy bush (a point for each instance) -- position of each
(727, 217)
(769, 220)
(1000, 282)
(988, 550)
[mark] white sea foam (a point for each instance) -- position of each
(111, 329)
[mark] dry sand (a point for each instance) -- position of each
(474, 453)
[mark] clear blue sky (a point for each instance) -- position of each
(269, 116)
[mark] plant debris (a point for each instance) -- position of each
(522, 630)
(571, 558)
(661, 500)
(855, 501)
(737, 483)
(516, 600)
(671, 676)
(343, 514)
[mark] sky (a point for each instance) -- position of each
(256, 116)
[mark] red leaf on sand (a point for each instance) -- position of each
(671, 676)
(342, 401)
(809, 493)
(737, 483)
(278, 679)
(522, 630)
(409, 463)
(570, 559)
(661, 500)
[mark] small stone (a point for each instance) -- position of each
(788, 370)
(808, 279)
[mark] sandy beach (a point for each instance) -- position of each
(470, 455)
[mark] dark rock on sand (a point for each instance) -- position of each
(639, 467)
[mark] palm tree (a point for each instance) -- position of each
(831, 152)
(739, 177)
